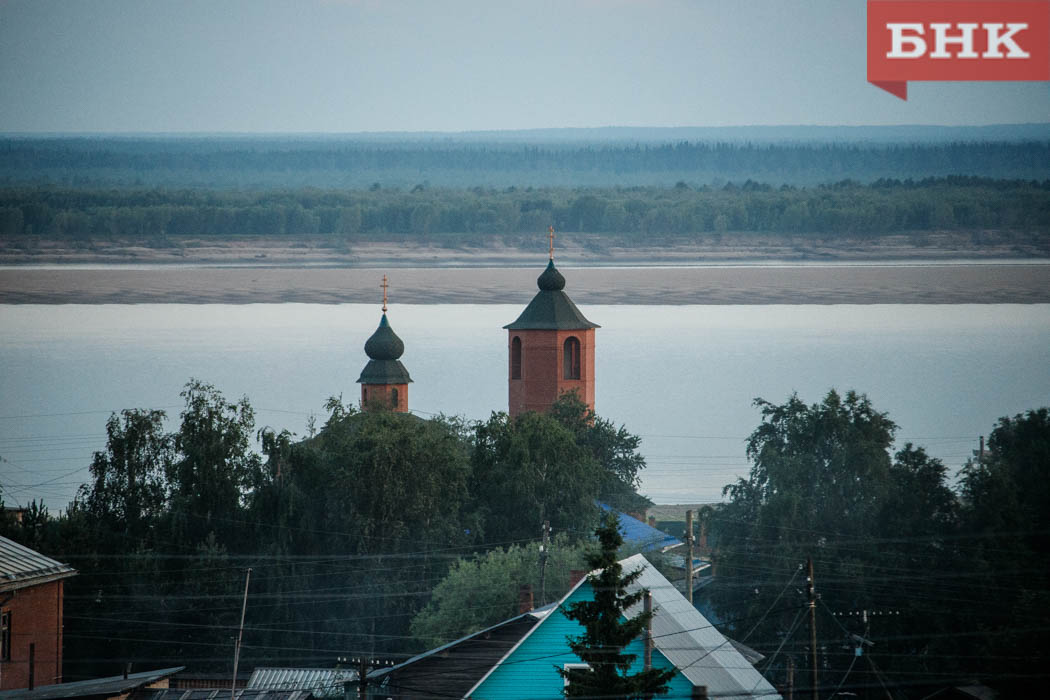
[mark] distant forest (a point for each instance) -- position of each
(358, 163)
(443, 216)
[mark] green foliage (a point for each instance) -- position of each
(346, 530)
(128, 489)
(823, 485)
(1001, 211)
(527, 470)
(215, 469)
(1006, 513)
(614, 449)
(233, 164)
(483, 590)
(607, 632)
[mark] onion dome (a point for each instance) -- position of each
(383, 350)
(384, 343)
(551, 280)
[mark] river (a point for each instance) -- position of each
(682, 377)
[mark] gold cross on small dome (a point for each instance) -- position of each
(552, 242)
(384, 286)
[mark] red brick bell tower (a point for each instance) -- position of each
(384, 380)
(551, 347)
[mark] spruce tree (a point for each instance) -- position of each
(607, 631)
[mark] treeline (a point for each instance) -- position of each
(227, 162)
(381, 534)
(629, 214)
(346, 531)
(921, 585)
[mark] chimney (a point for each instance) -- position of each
(575, 576)
(525, 603)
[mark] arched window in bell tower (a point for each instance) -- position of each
(515, 358)
(393, 397)
(571, 359)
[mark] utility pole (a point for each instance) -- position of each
(240, 634)
(980, 455)
(689, 556)
(362, 679)
(543, 561)
(811, 589)
(648, 608)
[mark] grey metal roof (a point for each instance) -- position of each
(110, 686)
(21, 566)
(702, 653)
(221, 694)
(322, 682)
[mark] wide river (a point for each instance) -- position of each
(682, 377)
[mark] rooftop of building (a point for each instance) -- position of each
(21, 566)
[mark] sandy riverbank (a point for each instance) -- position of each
(867, 283)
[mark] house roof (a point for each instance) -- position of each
(639, 534)
(321, 681)
(684, 636)
(222, 694)
(702, 653)
(106, 687)
(534, 615)
(21, 566)
(551, 308)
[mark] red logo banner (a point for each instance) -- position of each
(956, 40)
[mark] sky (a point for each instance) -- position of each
(336, 66)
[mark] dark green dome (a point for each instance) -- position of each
(551, 280)
(384, 343)
(551, 308)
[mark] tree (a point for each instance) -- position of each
(216, 469)
(1006, 512)
(607, 632)
(128, 490)
(376, 500)
(480, 591)
(823, 485)
(529, 469)
(614, 449)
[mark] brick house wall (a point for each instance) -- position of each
(35, 614)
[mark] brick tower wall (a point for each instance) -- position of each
(542, 375)
(382, 393)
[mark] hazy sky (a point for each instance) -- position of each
(378, 65)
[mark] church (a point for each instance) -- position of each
(550, 352)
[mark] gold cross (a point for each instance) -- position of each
(384, 286)
(552, 242)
